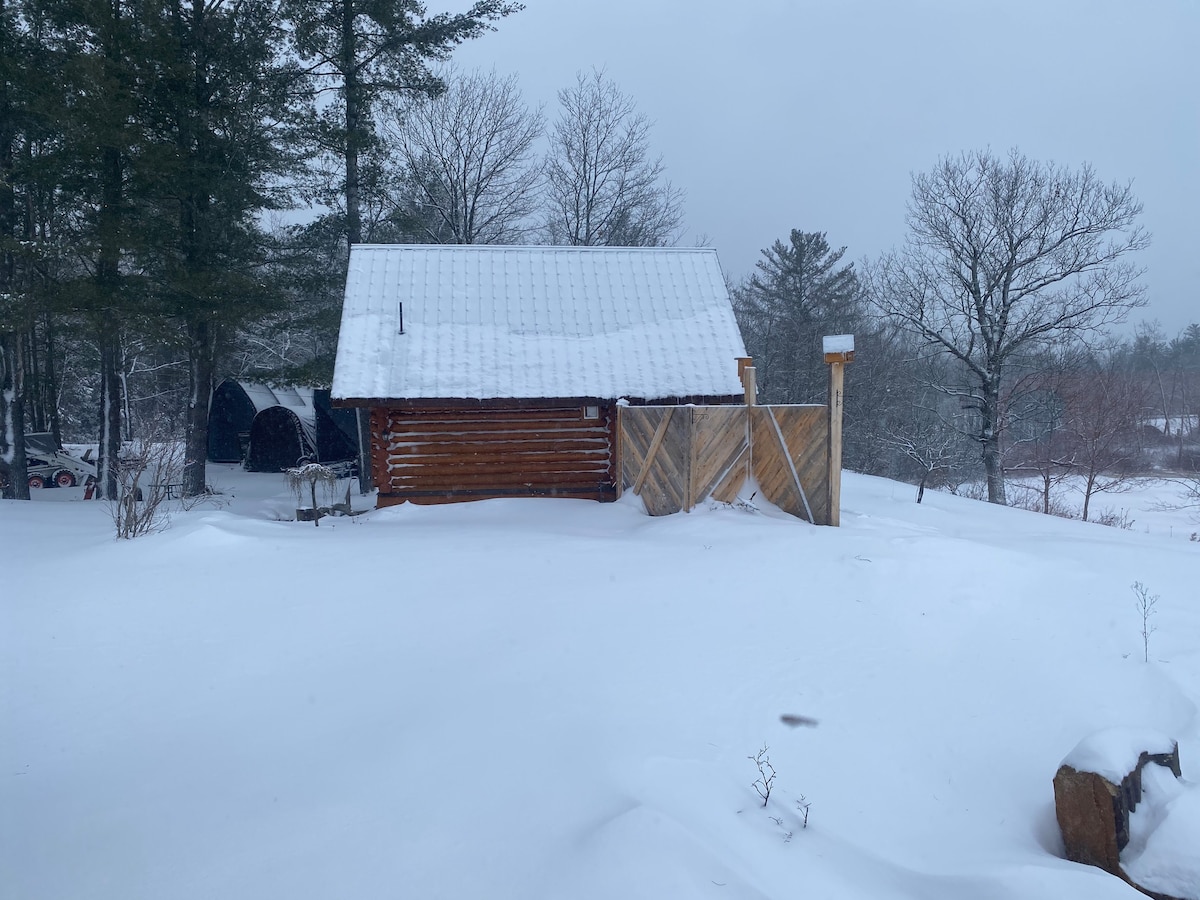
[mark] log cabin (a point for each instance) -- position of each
(491, 371)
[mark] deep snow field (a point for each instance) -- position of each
(557, 699)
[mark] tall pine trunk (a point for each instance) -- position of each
(196, 251)
(107, 283)
(12, 367)
(13, 474)
(200, 379)
(108, 459)
(354, 125)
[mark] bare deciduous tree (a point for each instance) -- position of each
(469, 152)
(1104, 410)
(1004, 256)
(930, 445)
(604, 187)
(1039, 442)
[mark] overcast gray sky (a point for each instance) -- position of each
(781, 114)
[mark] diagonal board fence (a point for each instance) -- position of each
(675, 457)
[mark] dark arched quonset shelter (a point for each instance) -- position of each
(273, 428)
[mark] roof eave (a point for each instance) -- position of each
(529, 402)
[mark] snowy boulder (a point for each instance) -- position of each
(1099, 784)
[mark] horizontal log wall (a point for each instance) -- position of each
(447, 455)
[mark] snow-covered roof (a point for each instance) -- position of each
(298, 399)
(488, 322)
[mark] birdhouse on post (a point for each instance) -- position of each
(839, 350)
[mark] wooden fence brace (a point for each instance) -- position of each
(655, 442)
(739, 460)
(787, 454)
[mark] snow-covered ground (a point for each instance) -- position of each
(557, 699)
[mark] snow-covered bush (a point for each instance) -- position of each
(147, 477)
(307, 477)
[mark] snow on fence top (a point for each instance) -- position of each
(531, 322)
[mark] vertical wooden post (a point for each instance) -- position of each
(836, 380)
(750, 388)
(377, 420)
(689, 472)
(618, 455)
(749, 392)
(839, 350)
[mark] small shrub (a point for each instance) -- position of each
(766, 774)
(971, 490)
(802, 806)
(1031, 499)
(1115, 518)
(146, 480)
(309, 476)
(1145, 605)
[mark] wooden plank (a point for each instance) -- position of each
(659, 433)
(510, 415)
(658, 478)
(600, 456)
(750, 385)
(376, 450)
(490, 432)
(791, 464)
(484, 427)
(638, 426)
(719, 436)
(493, 480)
(612, 433)
(803, 428)
(599, 493)
(665, 489)
(542, 471)
(771, 470)
(728, 485)
(455, 450)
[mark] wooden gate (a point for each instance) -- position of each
(675, 457)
